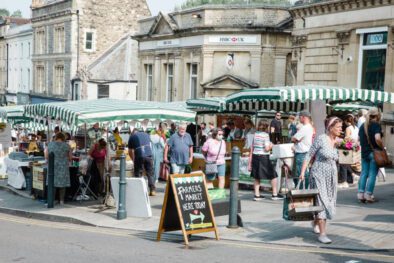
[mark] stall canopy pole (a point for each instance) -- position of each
(255, 118)
(85, 139)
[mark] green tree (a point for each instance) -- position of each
(4, 12)
(17, 13)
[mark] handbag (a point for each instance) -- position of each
(211, 167)
(380, 155)
(164, 171)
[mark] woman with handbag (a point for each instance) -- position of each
(370, 135)
(260, 164)
(324, 174)
(158, 144)
(215, 149)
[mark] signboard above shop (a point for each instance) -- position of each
(233, 39)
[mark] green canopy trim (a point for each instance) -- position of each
(76, 113)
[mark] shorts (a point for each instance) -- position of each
(221, 172)
(262, 167)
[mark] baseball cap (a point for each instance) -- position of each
(305, 113)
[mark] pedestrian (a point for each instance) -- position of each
(203, 133)
(158, 145)
(98, 153)
(362, 113)
(235, 132)
(345, 170)
(260, 164)
(181, 146)
(302, 143)
(276, 129)
(172, 130)
(292, 126)
(94, 135)
(140, 151)
(248, 133)
(62, 160)
(214, 150)
(324, 174)
(370, 134)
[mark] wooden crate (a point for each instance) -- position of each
(349, 157)
(303, 206)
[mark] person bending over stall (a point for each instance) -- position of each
(63, 157)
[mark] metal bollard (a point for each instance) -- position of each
(51, 179)
(235, 155)
(122, 213)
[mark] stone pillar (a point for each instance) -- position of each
(207, 66)
(158, 94)
(255, 66)
(280, 69)
(319, 113)
(179, 89)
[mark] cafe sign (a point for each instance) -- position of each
(233, 40)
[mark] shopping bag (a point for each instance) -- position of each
(164, 171)
(285, 212)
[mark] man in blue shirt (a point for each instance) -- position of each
(181, 146)
(140, 152)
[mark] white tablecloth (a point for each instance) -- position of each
(16, 178)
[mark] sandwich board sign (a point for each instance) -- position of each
(187, 207)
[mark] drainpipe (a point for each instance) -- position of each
(77, 41)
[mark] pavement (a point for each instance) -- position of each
(359, 227)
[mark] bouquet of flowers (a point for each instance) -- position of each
(349, 145)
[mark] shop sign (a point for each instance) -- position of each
(376, 38)
(233, 39)
(168, 43)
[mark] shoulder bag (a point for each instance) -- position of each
(380, 155)
(211, 167)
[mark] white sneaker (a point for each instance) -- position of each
(316, 228)
(324, 239)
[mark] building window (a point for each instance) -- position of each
(149, 81)
(372, 58)
(40, 41)
(193, 69)
(40, 79)
(102, 91)
(89, 41)
(59, 39)
(76, 92)
(28, 80)
(170, 82)
(58, 82)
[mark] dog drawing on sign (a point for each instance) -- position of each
(195, 216)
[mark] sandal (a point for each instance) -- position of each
(361, 198)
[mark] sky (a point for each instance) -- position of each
(154, 5)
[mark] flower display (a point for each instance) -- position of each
(349, 145)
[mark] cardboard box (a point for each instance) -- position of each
(283, 150)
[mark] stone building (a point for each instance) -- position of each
(213, 51)
(347, 43)
(20, 45)
(6, 23)
(69, 35)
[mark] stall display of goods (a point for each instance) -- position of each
(349, 152)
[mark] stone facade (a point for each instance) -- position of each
(212, 51)
(6, 23)
(347, 43)
(87, 29)
(20, 46)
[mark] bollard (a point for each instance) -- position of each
(122, 213)
(51, 178)
(235, 155)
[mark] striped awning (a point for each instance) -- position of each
(350, 107)
(252, 98)
(11, 112)
(76, 113)
(212, 104)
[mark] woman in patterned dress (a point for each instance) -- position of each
(62, 158)
(324, 174)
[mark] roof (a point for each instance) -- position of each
(14, 20)
(241, 81)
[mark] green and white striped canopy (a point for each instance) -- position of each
(350, 107)
(10, 112)
(252, 98)
(212, 104)
(76, 113)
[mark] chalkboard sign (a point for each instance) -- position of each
(187, 206)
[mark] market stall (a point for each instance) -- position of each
(109, 113)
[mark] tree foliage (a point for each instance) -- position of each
(194, 3)
(4, 12)
(17, 13)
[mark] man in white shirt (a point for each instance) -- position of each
(303, 142)
(361, 117)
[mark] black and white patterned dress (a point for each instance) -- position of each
(324, 174)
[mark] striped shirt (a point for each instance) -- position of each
(260, 141)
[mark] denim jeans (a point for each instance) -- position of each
(369, 171)
(141, 163)
(299, 160)
(178, 168)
